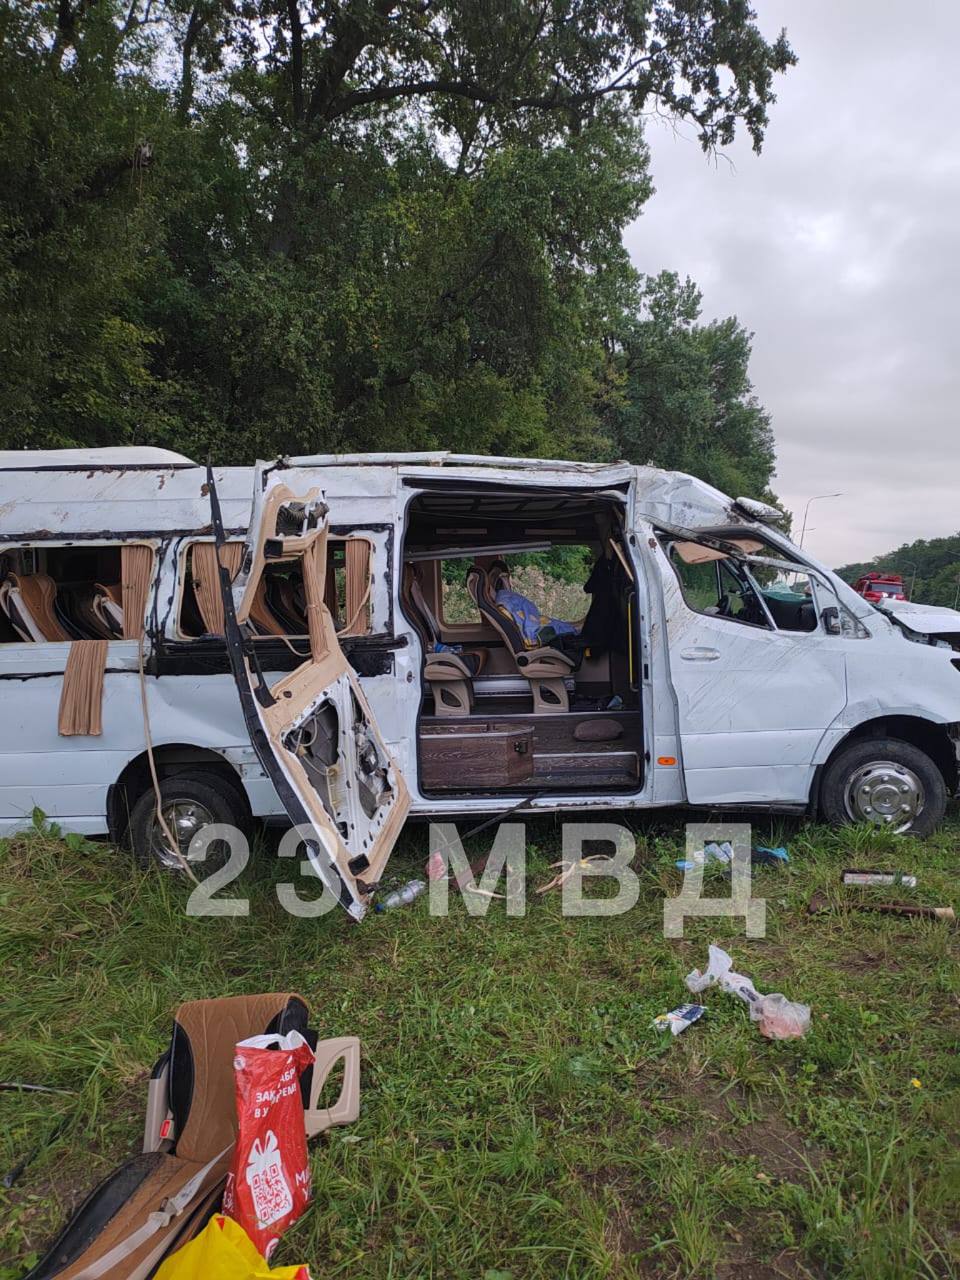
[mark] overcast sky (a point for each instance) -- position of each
(838, 248)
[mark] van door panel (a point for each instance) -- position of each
(313, 728)
(753, 704)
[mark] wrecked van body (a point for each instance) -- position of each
(337, 638)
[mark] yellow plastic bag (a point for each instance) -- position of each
(223, 1251)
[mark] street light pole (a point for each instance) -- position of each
(907, 564)
(816, 497)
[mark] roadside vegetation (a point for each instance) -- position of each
(519, 1116)
(930, 568)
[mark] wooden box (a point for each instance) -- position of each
(475, 757)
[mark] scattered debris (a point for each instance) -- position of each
(32, 1088)
(820, 902)
(879, 877)
(435, 868)
(725, 855)
(224, 1251)
(908, 909)
(778, 1017)
(764, 857)
(680, 1018)
(711, 852)
(567, 869)
(400, 897)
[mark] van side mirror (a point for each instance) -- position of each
(830, 617)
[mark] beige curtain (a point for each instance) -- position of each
(136, 574)
(358, 588)
(81, 695)
(206, 579)
(319, 618)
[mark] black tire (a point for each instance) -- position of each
(211, 796)
(848, 779)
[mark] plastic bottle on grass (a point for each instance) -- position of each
(400, 897)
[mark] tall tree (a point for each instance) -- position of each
(311, 224)
(686, 400)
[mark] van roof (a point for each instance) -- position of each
(444, 458)
(76, 459)
(136, 492)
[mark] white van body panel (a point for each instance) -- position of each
(750, 726)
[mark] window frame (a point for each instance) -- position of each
(182, 572)
(155, 546)
(667, 539)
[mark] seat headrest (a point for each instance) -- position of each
(201, 1063)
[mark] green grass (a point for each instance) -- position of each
(519, 1117)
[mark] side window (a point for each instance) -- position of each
(456, 603)
(279, 606)
(791, 600)
(92, 591)
(715, 584)
(348, 584)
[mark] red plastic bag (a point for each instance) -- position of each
(268, 1186)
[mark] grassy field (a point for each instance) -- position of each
(520, 1118)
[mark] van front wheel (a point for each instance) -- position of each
(887, 782)
(189, 802)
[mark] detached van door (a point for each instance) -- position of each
(758, 677)
(312, 728)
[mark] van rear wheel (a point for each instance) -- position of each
(189, 802)
(887, 782)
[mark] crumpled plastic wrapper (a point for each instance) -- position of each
(778, 1018)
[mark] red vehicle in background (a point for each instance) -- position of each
(880, 586)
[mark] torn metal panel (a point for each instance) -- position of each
(312, 728)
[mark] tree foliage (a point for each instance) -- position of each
(930, 566)
(259, 226)
(687, 403)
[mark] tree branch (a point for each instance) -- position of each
(351, 38)
(198, 17)
(560, 99)
(296, 59)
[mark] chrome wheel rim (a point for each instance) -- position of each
(885, 793)
(185, 819)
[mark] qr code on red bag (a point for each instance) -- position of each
(269, 1190)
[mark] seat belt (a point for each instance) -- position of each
(171, 1207)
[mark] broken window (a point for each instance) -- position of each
(748, 590)
(84, 596)
(348, 584)
(279, 606)
(88, 592)
(457, 605)
(714, 583)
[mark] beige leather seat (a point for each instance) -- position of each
(545, 668)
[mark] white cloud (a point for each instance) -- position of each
(838, 248)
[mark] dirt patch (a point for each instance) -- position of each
(785, 1266)
(868, 962)
(620, 1235)
(781, 1150)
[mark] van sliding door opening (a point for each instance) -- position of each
(524, 604)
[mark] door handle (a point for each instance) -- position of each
(700, 654)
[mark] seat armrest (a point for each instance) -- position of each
(544, 662)
(445, 666)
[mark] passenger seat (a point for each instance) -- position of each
(545, 668)
(29, 602)
(449, 674)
